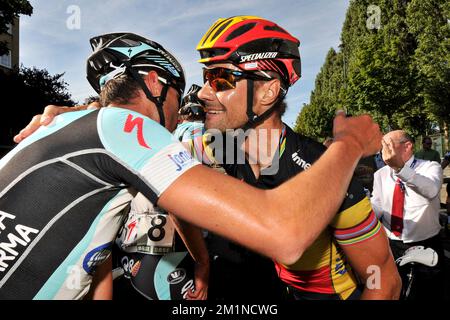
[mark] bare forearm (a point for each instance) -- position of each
(46, 118)
(374, 264)
(389, 287)
(279, 223)
(101, 287)
(318, 194)
(283, 222)
(193, 240)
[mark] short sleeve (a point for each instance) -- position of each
(144, 146)
(356, 220)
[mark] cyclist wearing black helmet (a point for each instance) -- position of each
(192, 107)
(72, 191)
(132, 56)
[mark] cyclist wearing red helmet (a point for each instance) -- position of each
(252, 62)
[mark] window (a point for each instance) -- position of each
(5, 60)
(9, 26)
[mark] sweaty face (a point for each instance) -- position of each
(225, 109)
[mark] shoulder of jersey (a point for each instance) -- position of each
(305, 146)
(130, 135)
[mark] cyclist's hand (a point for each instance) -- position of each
(50, 112)
(201, 282)
(361, 132)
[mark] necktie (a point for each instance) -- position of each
(397, 208)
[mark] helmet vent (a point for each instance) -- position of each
(213, 53)
(239, 31)
(275, 28)
(216, 34)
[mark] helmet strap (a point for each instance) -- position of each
(253, 118)
(158, 101)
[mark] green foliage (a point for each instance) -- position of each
(9, 10)
(315, 119)
(428, 22)
(399, 73)
(25, 94)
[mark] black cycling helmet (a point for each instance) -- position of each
(191, 104)
(119, 53)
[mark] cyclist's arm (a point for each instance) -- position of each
(102, 282)
(365, 245)
(373, 263)
(280, 223)
(264, 220)
(46, 118)
(193, 239)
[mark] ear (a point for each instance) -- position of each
(271, 91)
(410, 145)
(153, 84)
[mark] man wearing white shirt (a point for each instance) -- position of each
(406, 200)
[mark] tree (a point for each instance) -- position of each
(315, 119)
(427, 21)
(26, 94)
(380, 79)
(9, 10)
(398, 71)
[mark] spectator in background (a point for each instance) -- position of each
(364, 171)
(446, 160)
(379, 162)
(192, 108)
(406, 200)
(190, 115)
(426, 153)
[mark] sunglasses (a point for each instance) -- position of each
(221, 79)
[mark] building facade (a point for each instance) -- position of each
(10, 62)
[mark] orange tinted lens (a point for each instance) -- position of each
(220, 84)
(219, 79)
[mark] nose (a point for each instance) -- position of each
(206, 93)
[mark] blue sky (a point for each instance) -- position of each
(47, 42)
